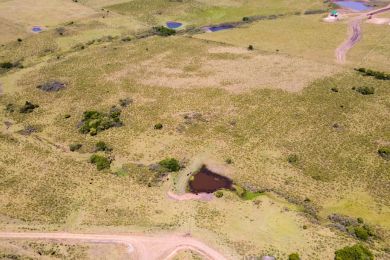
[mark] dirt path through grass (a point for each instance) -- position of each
(355, 34)
(142, 247)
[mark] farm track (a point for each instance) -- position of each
(355, 34)
(141, 246)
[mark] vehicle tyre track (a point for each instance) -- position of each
(143, 247)
(355, 34)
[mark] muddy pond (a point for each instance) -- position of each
(206, 181)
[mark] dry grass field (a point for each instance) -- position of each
(37, 13)
(288, 123)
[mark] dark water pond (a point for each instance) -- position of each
(208, 181)
(174, 25)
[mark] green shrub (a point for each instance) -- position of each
(364, 90)
(100, 161)
(6, 65)
(250, 48)
(170, 164)
(74, 147)
(94, 122)
(292, 158)
(28, 108)
(164, 31)
(360, 220)
(356, 252)
(294, 256)
(10, 108)
(102, 146)
(124, 102)
(361, 233)
(384, 152)
(158, 126)
(229, 161)
(334, 89)
(218, 194)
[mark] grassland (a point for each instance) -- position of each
(194, 12)
(42, 13)
(257, 108)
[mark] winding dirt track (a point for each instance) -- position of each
(355, 34)
(141, 247)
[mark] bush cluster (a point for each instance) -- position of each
(356, 252)
(376, 74)
(170, 164)
(6, 65)
(364, 90)
(362, 232)
(28, 108)
(164, 31)
(100, 161)
(94, 122)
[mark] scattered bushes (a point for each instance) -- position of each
(356, 252)
(294, 256)
(28, 108)
(384, 152)
(354, 227)
(102, 147)
(164, 31)
(364, 90)
(376, 74)
(94, 122)
(100, 161)
(170, 164)
(74, 147)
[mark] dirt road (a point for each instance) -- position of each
(355, 34)
(141, 247)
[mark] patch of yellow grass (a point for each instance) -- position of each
(303, 36)
(359, 204)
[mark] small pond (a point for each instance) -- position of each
(354, 5)
(173, 25)
(36, 29)
(220, 27)
(206, 181)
